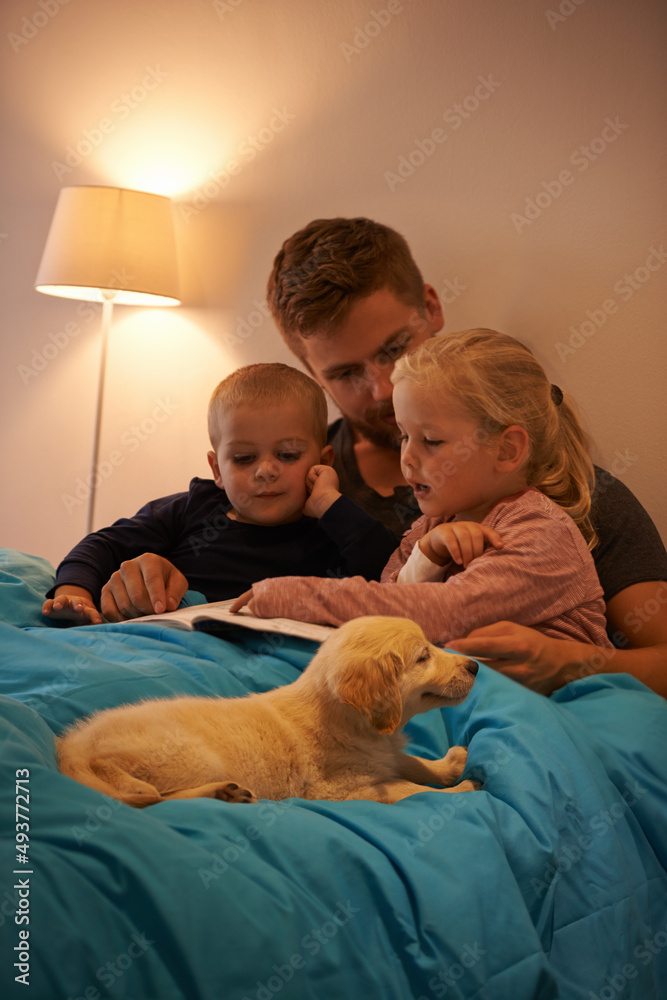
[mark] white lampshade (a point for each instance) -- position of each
(108, 242)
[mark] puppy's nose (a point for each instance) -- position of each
(472, 667)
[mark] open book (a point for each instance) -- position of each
(217, 617)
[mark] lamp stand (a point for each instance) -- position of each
(107, 311)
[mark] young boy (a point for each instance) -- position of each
(272, 509)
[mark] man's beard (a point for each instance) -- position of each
(375, 430)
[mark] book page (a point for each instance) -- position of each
(218, 612)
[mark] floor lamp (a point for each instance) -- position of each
(113, 246)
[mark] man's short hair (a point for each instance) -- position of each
(323, 269)
(268, 382)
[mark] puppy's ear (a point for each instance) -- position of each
(370, 684)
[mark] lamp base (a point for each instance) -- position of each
(107, 311)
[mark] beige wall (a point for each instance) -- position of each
(480, 105)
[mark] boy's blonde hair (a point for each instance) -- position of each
(268, 382)
(500, 382)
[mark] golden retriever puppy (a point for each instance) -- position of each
(335, 733)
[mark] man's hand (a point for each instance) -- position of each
(73, 604)
(528, 657)
(146, 585)
(322, 485)
(460, 541)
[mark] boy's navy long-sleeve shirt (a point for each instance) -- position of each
(220, 557)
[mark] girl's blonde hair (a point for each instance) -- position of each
(500, 383)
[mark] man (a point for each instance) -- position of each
(348, 300)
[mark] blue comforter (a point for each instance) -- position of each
(548, 883)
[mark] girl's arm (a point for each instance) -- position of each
(528, 585)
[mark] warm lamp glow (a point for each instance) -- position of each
(171, 154)
(107, 242)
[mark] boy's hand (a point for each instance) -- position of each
(460, 541)
(147, 585)
(322, 486)
(73, 604)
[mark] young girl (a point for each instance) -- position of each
(501, 470)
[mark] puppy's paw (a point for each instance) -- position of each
(457, 757)
(229, 791)
(452, 765)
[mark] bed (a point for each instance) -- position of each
(548, 883)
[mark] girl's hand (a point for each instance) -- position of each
(322, 485)
(458, 541)
(245, 599)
